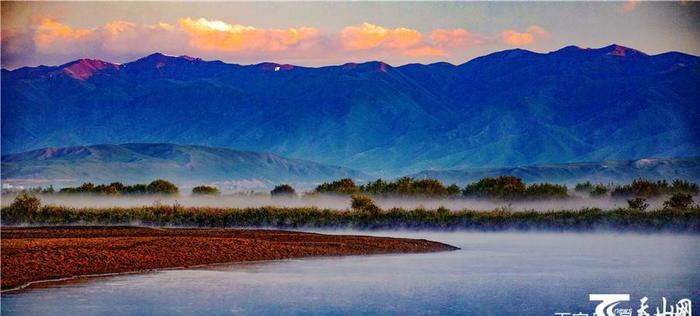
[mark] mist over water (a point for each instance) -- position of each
(334, 202)
(504, 273)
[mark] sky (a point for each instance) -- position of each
(329, 33)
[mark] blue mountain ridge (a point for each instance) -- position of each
(142, 163)
(507, 108)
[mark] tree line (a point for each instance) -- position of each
(158, 186)
(503, 187)
(500, 188)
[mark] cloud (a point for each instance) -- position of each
(52, 36)
(424, 51)
(49, 39)
(368, 36)
(455, 38)
(530, 36)
(16, 44)
(127, 37)
(405, 41)
(221, 36)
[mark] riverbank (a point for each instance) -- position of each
(46, 253)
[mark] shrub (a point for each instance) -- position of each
(283, 190)
(360, 202)
(637, 204)
(205, 190)
(161, 186)
(679, 201)
(25, 206)
(367, 216)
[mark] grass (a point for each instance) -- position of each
(622, 219)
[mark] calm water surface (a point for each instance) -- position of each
(493, 274)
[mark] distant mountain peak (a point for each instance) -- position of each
(190, 58)
(442, 64)
(82, 69)
(622, 51)
(159, 60)
(368, 66)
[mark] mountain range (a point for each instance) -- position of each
(183, 164)
(613, 171)
(509, 108)
(234, 170)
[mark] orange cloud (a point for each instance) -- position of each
(49, 31)
(218, 35)
(456, 38)
(401, 40)
(368, 36)
(214, 38)
(424, 51)
(533, 33)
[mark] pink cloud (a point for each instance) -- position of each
(532, 34)
(424, 51)
(455, 38)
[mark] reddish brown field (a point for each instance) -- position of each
(34, 254)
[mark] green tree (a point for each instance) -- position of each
(428, 188)
(25, 206)
(283, 190)
(377, 187)
(503, 187)
(683, 186)
(135, 189)
(453, 190)
(584, 187)
(161, 186)
(205, 190)
(641, 188)
(546, 190)
(598, 190)
(342, 186)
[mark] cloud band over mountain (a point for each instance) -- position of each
(202, 36)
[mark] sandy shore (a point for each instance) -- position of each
(47, 253)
